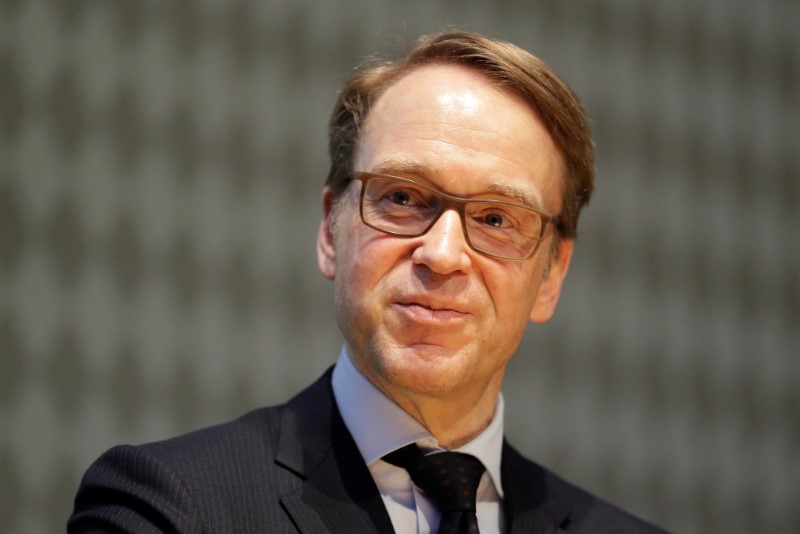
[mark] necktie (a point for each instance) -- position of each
(449, 479)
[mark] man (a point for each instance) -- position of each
(449, 214)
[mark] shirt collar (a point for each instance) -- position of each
(379, 426)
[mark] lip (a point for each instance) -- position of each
(426, 309)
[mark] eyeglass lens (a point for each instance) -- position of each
(406, 208)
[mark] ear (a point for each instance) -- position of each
(547, 298)
(326, 246)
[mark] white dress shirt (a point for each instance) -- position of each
(379, 426)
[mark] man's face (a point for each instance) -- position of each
(428, 315)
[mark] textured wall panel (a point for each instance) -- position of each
(161, 170)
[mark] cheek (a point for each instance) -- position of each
(513, 292)
(364, 260)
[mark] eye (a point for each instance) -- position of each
(400, 197)
(494, 219)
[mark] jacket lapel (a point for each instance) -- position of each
(531, 504)
(334, 490)
(330, 488)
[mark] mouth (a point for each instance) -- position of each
(428, 310)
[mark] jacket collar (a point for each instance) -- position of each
(532, 502)
(335, 492)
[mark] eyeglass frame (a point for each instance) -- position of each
(453, 202)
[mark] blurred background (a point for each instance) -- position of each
(161, 164)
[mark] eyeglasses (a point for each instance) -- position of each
(496, 228)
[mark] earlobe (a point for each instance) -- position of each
(326, 246)
(547, 298)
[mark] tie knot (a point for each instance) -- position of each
(449, 479)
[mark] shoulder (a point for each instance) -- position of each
(249, 436)
(572, 508)
(181, 484)
(218, 452)
(208, 480)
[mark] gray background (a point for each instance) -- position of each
(160, 173)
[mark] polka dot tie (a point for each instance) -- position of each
(449, 479)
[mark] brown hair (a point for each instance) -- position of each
(508, 66)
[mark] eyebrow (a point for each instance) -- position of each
(403, 166)
(518, 194)
(417, 168)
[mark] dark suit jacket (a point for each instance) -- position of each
(295, 468)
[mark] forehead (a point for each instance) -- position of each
(455, 127)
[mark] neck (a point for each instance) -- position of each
(455, 419)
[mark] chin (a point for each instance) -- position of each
(424, 369)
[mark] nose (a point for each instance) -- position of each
(444, 248)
